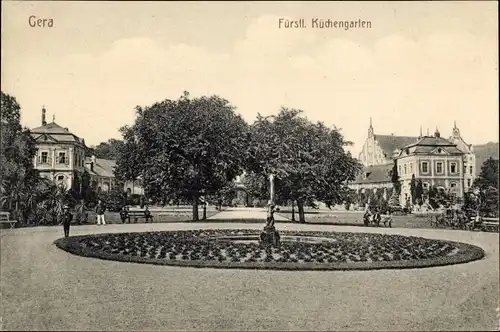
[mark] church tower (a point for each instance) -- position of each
(370, 129)
(456, 131)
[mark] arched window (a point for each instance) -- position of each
(453, 185)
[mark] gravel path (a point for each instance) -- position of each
(245, 213)
(45, 288)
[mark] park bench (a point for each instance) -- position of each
(484, 224)
(490, 224)
(5, 219)
(139, 214)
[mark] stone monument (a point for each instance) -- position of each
(269, 235)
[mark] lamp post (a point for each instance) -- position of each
(271, 189)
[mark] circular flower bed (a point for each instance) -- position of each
(225, 248)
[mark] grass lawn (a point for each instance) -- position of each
(159, 216)
(354, 218)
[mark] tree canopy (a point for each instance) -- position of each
(17, 151)
(184, 148)
(308, 159)
(487, 183)
(488, 176)
(108, 150)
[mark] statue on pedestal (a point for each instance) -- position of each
(270, 235)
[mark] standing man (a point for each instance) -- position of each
(99, 210)
(67, 218)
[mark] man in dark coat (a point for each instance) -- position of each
(124, 215)
(67, 218)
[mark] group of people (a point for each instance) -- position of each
(457, 218)
(100, 211)
(374, 216)
(67, 216)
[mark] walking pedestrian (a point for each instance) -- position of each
(100, 209)
(67, 218)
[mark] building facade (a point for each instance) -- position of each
(433, 160)
(443, 163)
(61, 154)
(61, 157)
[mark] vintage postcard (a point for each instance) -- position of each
(249, 165)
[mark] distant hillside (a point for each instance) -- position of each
(483, 152)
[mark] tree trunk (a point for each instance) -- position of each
(195, 209)
(293, 211)
(302, 217)
(204, 211)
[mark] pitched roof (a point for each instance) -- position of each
(50, 128)
(102, 167)
(56, 132)
(428, 144)
(389, 143)
(431, 141)
(374, 174)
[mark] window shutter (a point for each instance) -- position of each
(39, 159)
(66, 161)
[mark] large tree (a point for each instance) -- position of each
(413, 187)
(419, 190)
(395, 178)
(487, 184)
(308, 159)
(108, 150)
(185, 148)
(17, 150)
(488, 176)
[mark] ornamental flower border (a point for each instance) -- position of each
(464, 253)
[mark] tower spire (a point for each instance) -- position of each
(370, 129)
(456, 131)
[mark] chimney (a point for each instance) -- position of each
(437, 134)
(93, 162)
(43, 115)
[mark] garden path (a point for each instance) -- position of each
(245, 213)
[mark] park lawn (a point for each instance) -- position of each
(158, 217)
(355, 218)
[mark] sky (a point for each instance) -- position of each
(420, 64)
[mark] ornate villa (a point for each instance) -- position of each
(443, 163)
(61, 157)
